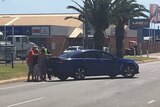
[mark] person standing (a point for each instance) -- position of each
(35, 63)
(30, 63)
(42, 64)
(48, 54)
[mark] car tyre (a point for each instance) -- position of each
(112, 76)
(79, 73)
(129, 71)
(62, 77)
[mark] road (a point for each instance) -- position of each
(141, 91)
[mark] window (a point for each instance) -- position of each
(81, 55)
(93, 54)
(99, 55)
(17, 39)
(24, 39)
(106, 56)
(9, 39)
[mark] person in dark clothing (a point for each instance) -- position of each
(48, 54)
(42, 64)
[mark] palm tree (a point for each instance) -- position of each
(122, 12)
(95, 13)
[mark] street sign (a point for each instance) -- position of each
(139, 23)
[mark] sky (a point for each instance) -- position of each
(47, 6)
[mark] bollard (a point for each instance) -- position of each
(12, 60)
(147, 53)
(141, 52)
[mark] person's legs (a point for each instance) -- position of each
(30, 72)
(37, 72)
(49, 75)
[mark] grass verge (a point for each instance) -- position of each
(139, 58)
(7, 72)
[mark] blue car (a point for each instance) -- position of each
(82, 63)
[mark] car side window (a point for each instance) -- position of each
(93, 55)
(81, 55)
(106, 56)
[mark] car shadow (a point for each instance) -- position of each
(91, 78)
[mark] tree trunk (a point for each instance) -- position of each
(99, 40)
(119, 33)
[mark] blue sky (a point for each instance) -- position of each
(46, 6)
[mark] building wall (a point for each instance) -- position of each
(61, 30)
(58, 44)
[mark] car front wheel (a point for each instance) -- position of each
(129, 71)
(79, 73)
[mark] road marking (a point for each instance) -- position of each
(153, 71)
(18, 86)
(28, 101)
(152, 101)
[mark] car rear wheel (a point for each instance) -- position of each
(79, 73)
(62, 77)
(129, 71)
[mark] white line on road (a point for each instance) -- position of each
(17, 86)
(24, 102)
(152, 101)
(154, 71)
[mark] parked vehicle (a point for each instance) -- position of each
(132, 49)
(78, 64)
(73, 48)
(22, 44)
(7, 52)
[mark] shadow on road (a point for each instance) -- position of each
(91, 78)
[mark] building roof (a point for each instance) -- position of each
(39, 19)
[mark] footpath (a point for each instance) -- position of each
(154, 55)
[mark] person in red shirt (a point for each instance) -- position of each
(30, 63)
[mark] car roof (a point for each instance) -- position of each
(70, 54)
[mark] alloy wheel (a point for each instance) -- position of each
(128, 71)
(79, 73)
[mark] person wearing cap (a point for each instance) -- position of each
(30, 63)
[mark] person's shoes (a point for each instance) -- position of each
(49, 78)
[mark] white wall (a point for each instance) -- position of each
(61, 30)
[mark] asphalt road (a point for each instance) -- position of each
(141, 91)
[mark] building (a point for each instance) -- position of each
(49, 30)
(56, 33)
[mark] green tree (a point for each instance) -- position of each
(95, 13)
(122, 12)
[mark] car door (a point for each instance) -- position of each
(108, 64)
(93, 63)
